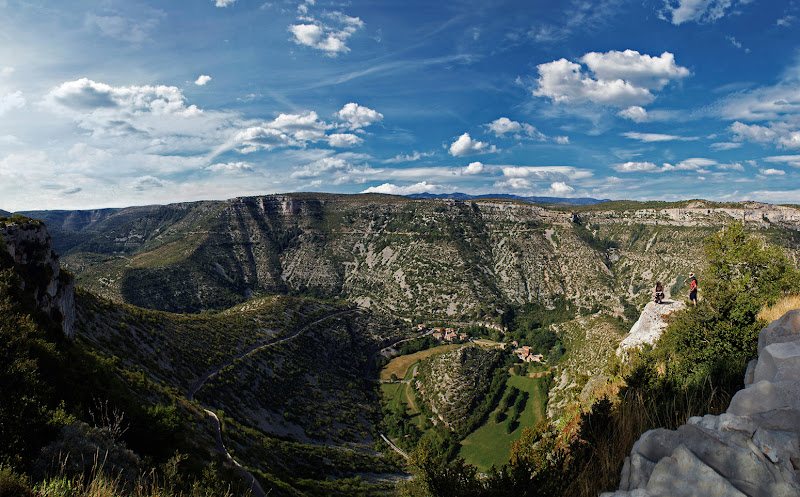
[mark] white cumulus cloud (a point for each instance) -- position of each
(202, 80)
(504, 125)
(783, 134)
(392, 189)
(620, 79)
(86, 96)
(772, 172)
(465, 145)
(257, 138)
(560, 188)
(640, 70)
(521, 131)
(344, 140)
(329, 35)
(636, 167)
(473, 168)
(635, 113)
(224, 3)
(358, 116)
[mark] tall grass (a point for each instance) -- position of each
(101, 484)
(637, 412)
(786, 304)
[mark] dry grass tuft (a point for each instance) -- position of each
(786, 304)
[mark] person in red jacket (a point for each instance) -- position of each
(693, 289)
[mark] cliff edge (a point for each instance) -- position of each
(650, 325)
(753, 449)
(29, 246)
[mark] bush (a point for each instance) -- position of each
(12, 484)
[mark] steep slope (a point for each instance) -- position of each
(292, 375)
(288, 377)
(27, 245)
(54, 385)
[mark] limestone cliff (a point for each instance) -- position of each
(751, 450)
(29, 246)
(438, 259)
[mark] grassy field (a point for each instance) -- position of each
(400, 365)
(490, 444)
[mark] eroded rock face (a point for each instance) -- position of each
(53, 290)
(751, 450)
(651, 324)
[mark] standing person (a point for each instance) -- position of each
(693, 288)
(659, 292)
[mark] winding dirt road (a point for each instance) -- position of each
(255, 487)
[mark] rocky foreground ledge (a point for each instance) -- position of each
(753, 449)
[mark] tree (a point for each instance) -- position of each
(716, 339)
(435, 476)
(740, 263)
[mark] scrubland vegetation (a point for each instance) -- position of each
(301, 411)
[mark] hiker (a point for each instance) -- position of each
(692, 288)
(659, 292)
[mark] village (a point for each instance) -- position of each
(441, 334)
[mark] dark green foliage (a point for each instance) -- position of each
(718, 337)
(530, 325)
(28, 359)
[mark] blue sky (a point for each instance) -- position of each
(113, 103)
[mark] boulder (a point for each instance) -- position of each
(784, 329)
(778, 362)
(695, 479)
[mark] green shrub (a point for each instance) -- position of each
(12, 484)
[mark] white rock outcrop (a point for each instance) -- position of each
(650, 325)
(753, 449)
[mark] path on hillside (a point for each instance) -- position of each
(255, 348)
(255, 487)
(394, 447)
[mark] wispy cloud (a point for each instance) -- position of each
(700, 11)
(657, 137)
(135, 25)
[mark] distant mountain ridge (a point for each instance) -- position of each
(535, 200)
